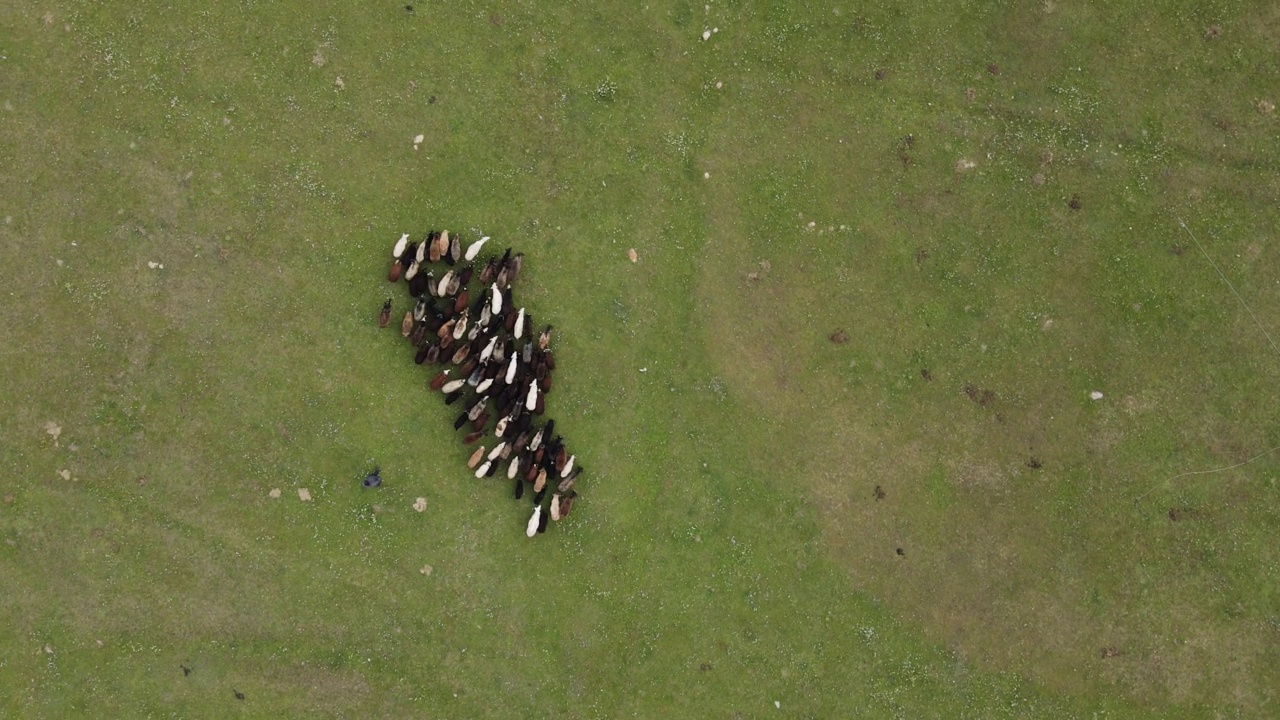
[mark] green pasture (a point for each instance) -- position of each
(842, 459)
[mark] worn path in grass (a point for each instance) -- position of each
(730, 551)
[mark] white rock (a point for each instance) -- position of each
(706, 34)
(777, 704)
(304, 495)
(420, 504)
(1095, 395)
(417, 139)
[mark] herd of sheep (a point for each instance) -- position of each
(495, 365)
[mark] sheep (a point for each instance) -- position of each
(484, 386)
(496, 302)
(545, 338)
(455, 251)
(400, 246)
(452, 397)
(519, 493)
(513, 469)
(536, 442)
(567, 483)
(542, 518)
(464, 277)
(442, 287)
(497, 451)
(446, 329)
(534, 521)
(472, 437)
(537, 496)
(480, 422)
(516, 264)
(526, 355)
(474, 248)
(461, 326)
(423, 246)
(455, 283)
(461, 301)
(519, 328)
(568, 467)
(485, 316)
(406, 325)
(439, 380)
(384, 317)
(560, 459)
(478, 407)
(462, 420)
(460, 354)
(373, 479)
(501, 428)
(532, 401)
(453, 385)
(421, 283)
(488, 350)
(418, 335)
(475, 458)
(555, 506)
(566, 504)
(511, 371)
(412, 272)
(433, 353)
(421, 356)
(483, 469)
(541, 481)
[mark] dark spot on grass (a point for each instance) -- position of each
(1213, 32)
(971, 94)
(408, 8)
(924, 373)
(901, 552)
(704, 667)
(185, 670)
(1034, 463)
(495, 20)
(839, 337)
(431, 100)
(1177, 250)
(8, 499)
(1075, 203)
(1110, 652)
(979, 395)
(239, 695)
(879, 493)
(994, 69)
(921, 255)
(1175, 514)
(1224, 125)
(882, 73)
(97, 532)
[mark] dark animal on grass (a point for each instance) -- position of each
(561, 457)
(446, 330)
(472, 437)
(566, 504)
(542, 518)
(476, 375)
(461, 301)
(373, 479)
(474, 460)
(421, 357)
(538, 495)
(384, 317)
(540, 482)
(420, 282)
(493, 468)
(519, 493)
(464, 277)
(545, 338)
(439, 380)
(452, 397)
(433, 353)
(486, 274)
(462, 420)
(418, 335)
(480, 422)
(477, 407)
(468, 367)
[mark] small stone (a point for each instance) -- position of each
(1095, 395)
(420, 504)
(48, 649)
(706, 176)
(706, 34)
(632, 256)
(304, 495)
(719, 84)
(53, 428)
(275, 493)
(153, 265)
(338, 83)
(1266, 107)
(777, 704)
(417, 139)
(426, 569)
(64, 474)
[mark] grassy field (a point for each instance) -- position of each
(842, 459)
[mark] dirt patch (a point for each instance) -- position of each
(839, 337)
(1213, 32)
(878, 493)
(1075, 203)
(981, 396)
(924, 373)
